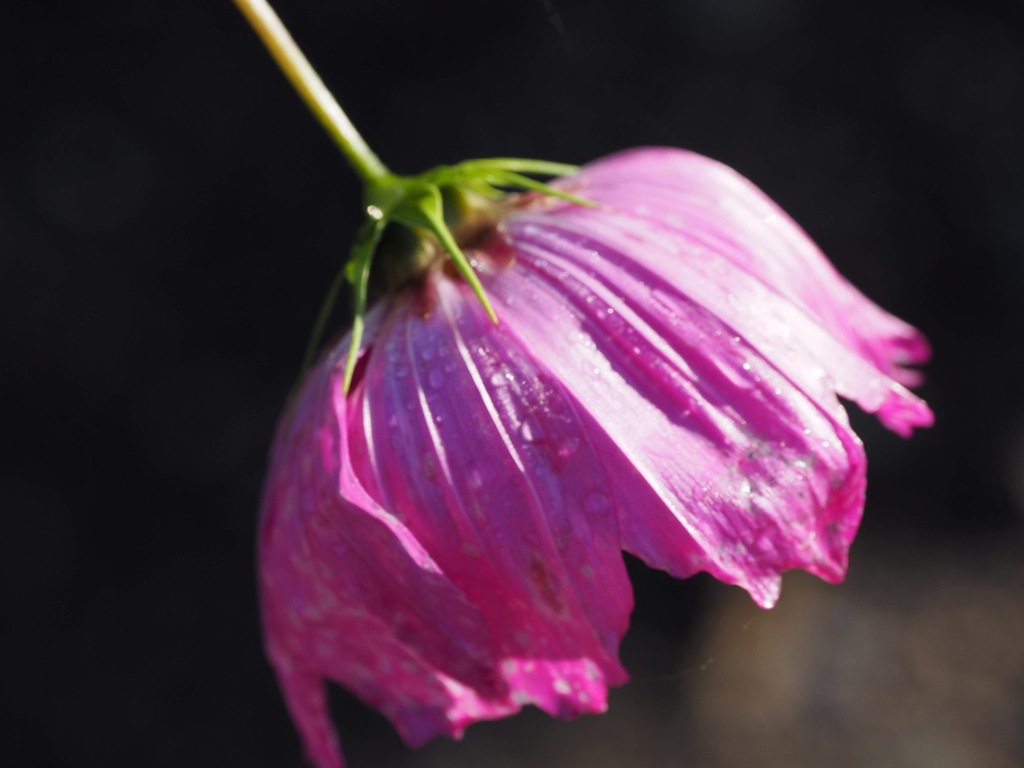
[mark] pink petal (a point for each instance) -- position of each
(704, 202)
(720, 463)
(466, 450)
(479, 452)
(347, 591)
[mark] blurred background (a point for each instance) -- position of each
(170, 218)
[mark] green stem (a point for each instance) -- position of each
(310, 87)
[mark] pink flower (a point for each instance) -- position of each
(445, 540)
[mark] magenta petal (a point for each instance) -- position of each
(349, 595)
(706, 203)
(479, 459)
(445, 541)
(721, 464)
(480, 453)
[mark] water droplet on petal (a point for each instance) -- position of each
(531, 431)
(598, 503)
(567, 446)
(435, 378)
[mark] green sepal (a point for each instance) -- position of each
(416, 202)
(506, 172)
(357, 270)
(424, 208)
(321, 321)
(520, 165)
(512, 179)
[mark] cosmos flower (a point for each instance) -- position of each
(445, 540)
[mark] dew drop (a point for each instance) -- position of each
(435, 378)
(567, 446)
(531, 431)
(475, 478)
(598, 503)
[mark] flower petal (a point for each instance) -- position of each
(480, 453)
(715, 389)
(705, 202)
(442, 542)
(349, 595)
(720, 463)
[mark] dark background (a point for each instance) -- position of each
(170, 218)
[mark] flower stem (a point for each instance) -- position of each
(310, 87)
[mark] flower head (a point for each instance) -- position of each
(444, 537)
